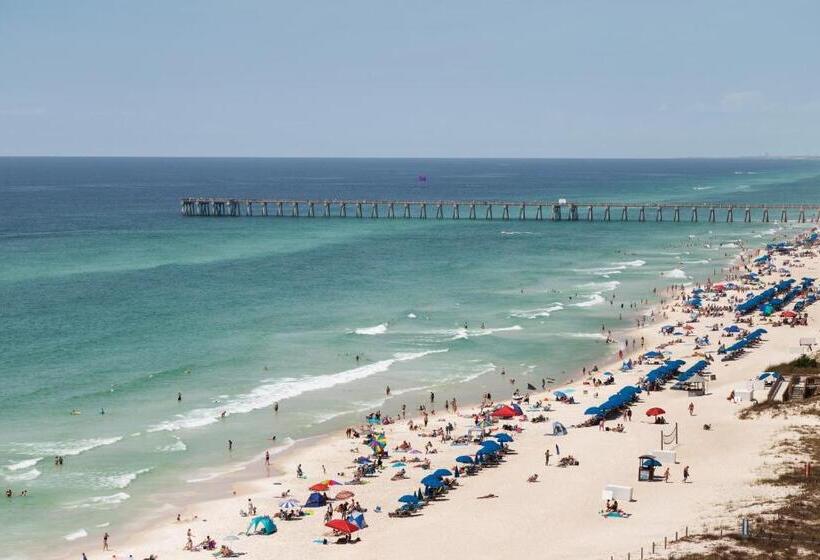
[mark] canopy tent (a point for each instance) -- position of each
(504, 411)
(558, 429)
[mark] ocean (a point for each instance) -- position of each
(111, 301)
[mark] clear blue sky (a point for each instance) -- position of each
(548, 78)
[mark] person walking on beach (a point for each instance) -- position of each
(105, 541)
(387, 391)
(276, 406)
(547, 458)
(432, 397)
(691, 409)
(267, 458)
(686, 474)
(666, 475)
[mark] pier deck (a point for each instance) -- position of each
(710, 212)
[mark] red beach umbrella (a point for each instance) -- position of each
(790, 314)
(344, 495)
(342, 525)
(319, 487)
(655, 411)
(331, 482)
(503, 412)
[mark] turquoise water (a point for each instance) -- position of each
(110, 300)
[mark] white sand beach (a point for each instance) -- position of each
(559, 516)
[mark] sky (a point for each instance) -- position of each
(414, 78)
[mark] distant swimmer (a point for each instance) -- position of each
(223, 414)
(387, 391)
(230, 445)
(179, 397)
(102, 412)
(276, 406)
(482, 325)
(75, 412)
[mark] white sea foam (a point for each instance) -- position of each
(729, 245)
(28, 463)
(594, 299)
(267, 394)
(577, 335)
(488, 368)
(215, 474)
(82, 533)
(517, 233)
(411, 315)
(702, 188)
(99, 502)
(702, 261)
(65, 448)
(23, 476)
(674, 273)
(370, 331)
(536, 313)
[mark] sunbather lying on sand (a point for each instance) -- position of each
(533, 478)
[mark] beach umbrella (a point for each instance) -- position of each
(345, 495)
(465, 459)
(290, 503)
(319, 487)
(503, 437)
(788, 314)
(504, 412)
(342, 526)
(409, 499)
(362, 460)
(655, 411)
(442, 472)
(594, 411)
(398, 465)
(732, 329)
(560, 395)
(608, 374)
(651, 462)
(490, 445)
(517, 409)
(652, 354)
(331, 482)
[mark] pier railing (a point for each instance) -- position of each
(502, 210)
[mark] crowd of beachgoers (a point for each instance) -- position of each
(399, 478)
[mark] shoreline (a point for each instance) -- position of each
(243, 484)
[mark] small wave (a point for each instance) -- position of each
(267, 394)
(411, 315)
(99, 502)
(674, 273)
(488, 368)
(703, 261)
(517, 233)
(702, 188)
(28, 463)
(536, 313)
(65, 448)
(463, 334)
(632, 264)
(610, 286)
(178, 445)
(577, 335)
(370, 331)
(23, 476)
(80, 534)
(729, 245)
(594, 299)
(122, 480)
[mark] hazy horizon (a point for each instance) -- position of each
(547, 80)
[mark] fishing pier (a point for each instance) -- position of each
(500, 210)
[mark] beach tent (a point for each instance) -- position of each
(558, 429)
(517, 409)
(316, 500)
(261, 524)
(357, 520)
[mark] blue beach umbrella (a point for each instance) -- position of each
(431, 481)
(442, 472)
(465, 459)
(651, 462)
(593, 411)
(409, 499)
(503, 437)
(560, 395)
(490, 445)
